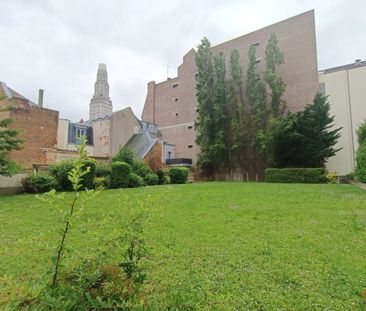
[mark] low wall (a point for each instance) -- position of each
(12, 184)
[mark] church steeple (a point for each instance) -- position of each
(100, 104)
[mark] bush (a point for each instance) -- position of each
(101, 182)
(361, 163)
(120, 175)
(61, 172)
(151, 179)
(39, 183)
(135, 181)
(162, 178)
(87, 181)
(332, 177)
(124, 155)
(141, 168)
(103, 170)
(295, 175)
(178, 175)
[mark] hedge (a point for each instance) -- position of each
(135, 181)
(103, 170)
(120, 175)
(178, 175)
(87, 181)
(39, 183)
(151, 179)
(295, 175)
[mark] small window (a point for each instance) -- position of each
(256, 43)
(175, 85)
(80, 133)
(258, 60)
(176, 114)
(190, 146)
(196, 76)
(176, 99)
(198, 109)
(190, 127)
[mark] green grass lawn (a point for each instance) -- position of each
(221, 246)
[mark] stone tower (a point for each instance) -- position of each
(100, 104)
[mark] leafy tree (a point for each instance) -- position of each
(9, 141)
(307, 138)
(204, 124)
(361, 153)
(274, 58)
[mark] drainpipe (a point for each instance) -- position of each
(351, 121)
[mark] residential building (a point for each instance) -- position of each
(172, 104)
(346, 88)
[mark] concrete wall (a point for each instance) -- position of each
(12, 184)
(347, 97)
(123, 125)
(102, 137)
(173, 102)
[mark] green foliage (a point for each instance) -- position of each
(103, 170)
(295, 175)
(9, 141)
(332, 177)
(124, 154)
(361, 163)
(120, 175)
(102, 182)
(306, 138)
(140, 168)
(135, 181)
(39, 183)
(178, 175)
(361, 133)
(162, 177)
(61, 172)
(151, 179)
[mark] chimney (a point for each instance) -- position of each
(40, 97)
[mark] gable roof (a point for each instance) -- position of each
(10, 93)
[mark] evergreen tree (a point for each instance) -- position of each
(361, 153)
(274, 58)
(9, 141)
(204, 124)
(307, 138)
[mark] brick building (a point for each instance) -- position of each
(172, 103)
(36, 125)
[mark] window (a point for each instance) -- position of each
(176, 114)
(176, 99)
(258, 60)
(190, 127)
(175, 85)
(197, 109)
(196, 76)
(80, 132)
(190, 146)
(256, 43)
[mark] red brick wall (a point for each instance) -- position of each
(38, 127)
(153, 157)
(296, 37)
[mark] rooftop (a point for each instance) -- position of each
(354, 65)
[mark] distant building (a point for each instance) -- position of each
(172, 104)
(346, 88)
(101, 104)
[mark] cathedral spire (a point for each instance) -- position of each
(100, 104)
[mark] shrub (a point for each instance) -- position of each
(124, 155)
(361, 163)
(141, 168)
(103, 170)
(332, 177)
(151, 179)
(135, 181)
(87, 181)
(161, 177)
(178, 175)
(101, 182)
(39, 183)
(120, 175)
(295, 175)
(61, 172)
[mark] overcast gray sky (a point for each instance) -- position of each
(57, 44)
